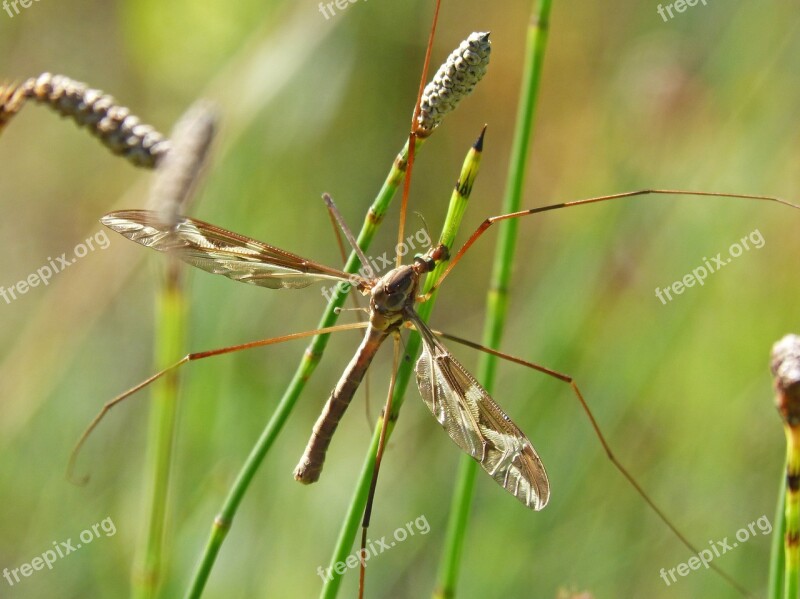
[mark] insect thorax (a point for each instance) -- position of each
(391, 295)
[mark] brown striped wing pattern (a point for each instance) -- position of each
(215, 250)
(477, 424)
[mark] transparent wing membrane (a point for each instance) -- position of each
(477, 424)
(222, 252)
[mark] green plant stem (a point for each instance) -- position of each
(171, 314)
(792, 512)
(455, 213)
(497, 301)
(777, 556)
(311, 357)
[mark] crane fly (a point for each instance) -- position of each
(456, 399)
(459, 403)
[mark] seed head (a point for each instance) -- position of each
(179, 170)
(785, 368)
(454, 80)
(786, 361)
(114, 125)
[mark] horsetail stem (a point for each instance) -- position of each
(455, 212)
(497, 299)
(786, 370)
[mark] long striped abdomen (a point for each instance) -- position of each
(310, 465)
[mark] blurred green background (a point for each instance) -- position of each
(707, 100)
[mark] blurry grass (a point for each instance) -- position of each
(497, 296)
(681, 389)
(176, 181)
(153, 558)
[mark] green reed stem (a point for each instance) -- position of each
(177, 174)
(497, 300)
(349, 530)
(171, 314)
(777, 554)
(308, 364)
(792, 512)
(785, 367)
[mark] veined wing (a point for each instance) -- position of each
(222, 252)
(477, 424)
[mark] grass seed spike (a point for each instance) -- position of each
(114, 125)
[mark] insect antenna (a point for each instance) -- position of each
(351, 239)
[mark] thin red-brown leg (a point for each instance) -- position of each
(606, 447)
(616, 196)
(412, 137)
(189, 358)
(387, 410)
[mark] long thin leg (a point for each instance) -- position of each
(189, 358)
(606, 447)
(482, 228)
(415, 134)
(387, 410)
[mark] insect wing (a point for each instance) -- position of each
(222, 252)
(478, 425)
